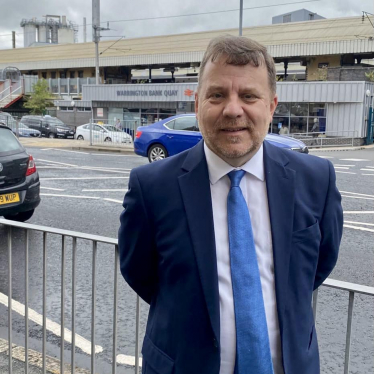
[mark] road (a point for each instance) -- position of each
(83, 191)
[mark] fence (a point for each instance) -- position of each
(353, 290)
(110, 132)
(329, 139)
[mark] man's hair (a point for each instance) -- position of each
(238, 51)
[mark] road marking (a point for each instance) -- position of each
(72, 196)
(128, 360)
(358, 228)
(341, 167)
(367, 170)
(65, 150)
(55, 162)
(107, 190)
(325, 157)
(107, 154)
(53, 189)
(55, 328)
(113, 200)
(46, 149)
(372, 167)
(344, 172)
(355, 193)
(353, 159)
(52, 167)
(360, 223)
(359, 212)
(344, 165)
(103, 170)
(359, 197)
(81, 178)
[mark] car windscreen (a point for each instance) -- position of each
(8, 142)
(55, 122)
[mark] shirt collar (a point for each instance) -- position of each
(218, 168)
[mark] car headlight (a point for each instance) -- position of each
(60, 130)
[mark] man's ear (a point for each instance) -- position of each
(196, 103)
(273, 104)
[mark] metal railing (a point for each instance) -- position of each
(353, 289)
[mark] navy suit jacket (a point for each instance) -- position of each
(167, 255)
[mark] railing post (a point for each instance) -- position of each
(349, 330)
(27, 303)
(73, 300)
(115, 305)
(63, 245)
(137, 334)
(94, 252)
(10, 299)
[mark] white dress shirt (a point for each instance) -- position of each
(253, 186)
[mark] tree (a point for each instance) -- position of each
(370, 75)
(40, 99)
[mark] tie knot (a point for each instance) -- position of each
(235, 177)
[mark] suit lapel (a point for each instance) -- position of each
(280, 183)
(195, 189)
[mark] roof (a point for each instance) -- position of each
(308, 38)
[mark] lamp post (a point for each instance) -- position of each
(241, 18)
(369, 126)
(73, 105)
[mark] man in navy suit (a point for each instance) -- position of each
(227, 241)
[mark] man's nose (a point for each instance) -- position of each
(233, 107)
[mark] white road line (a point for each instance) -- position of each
(358, 228)
(367, 170)
(344, 165)
(81, 178)
(46, 149)
(72, 196)
(360, 223)
(372, 167)
(65, 150)
(51, 167)
(103, 170)
(359, 197)
(353, 159)
(128, 360)
(114, 200)
(359, 212)
(355, 193)
(55, 162)
(106, 190)
(325, 157)
(55, 328)
(341, 167)
(344, 172)
(107, 154)
(53, 189)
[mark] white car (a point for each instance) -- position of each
(101, 134)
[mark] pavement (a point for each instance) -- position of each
(83, 145)
(35, 361)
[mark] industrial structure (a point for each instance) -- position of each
(51, 30)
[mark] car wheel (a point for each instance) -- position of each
(51, 135)
(80, 137)
(157, 152)
(107, 139)
(21, 217)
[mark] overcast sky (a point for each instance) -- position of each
(12, 12)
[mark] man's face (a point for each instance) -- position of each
(234, 107)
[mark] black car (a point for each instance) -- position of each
(50, 127)
(19, 180)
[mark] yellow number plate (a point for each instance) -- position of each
(9, 198)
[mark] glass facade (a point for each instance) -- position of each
(301, 118)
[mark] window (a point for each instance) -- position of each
(66, 108)
(53, 74)
(299, 109)
(98, 128)
(170, 125)
(80, 73)
(44, 75)
(287, 18)
(311, 16)
(62, 74)
(8, 142)
(72, 74)
(86, 109)
(186, 124)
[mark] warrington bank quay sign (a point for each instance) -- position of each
(141, 92)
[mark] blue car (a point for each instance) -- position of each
(24, 131)
(178, 133)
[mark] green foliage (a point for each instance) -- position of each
(40, 99)
(370, 75)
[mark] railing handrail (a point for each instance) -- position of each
(51, 230)
(332, 283)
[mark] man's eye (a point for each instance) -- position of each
(216, 95)
(249, 97)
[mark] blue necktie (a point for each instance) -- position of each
(252, 340)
